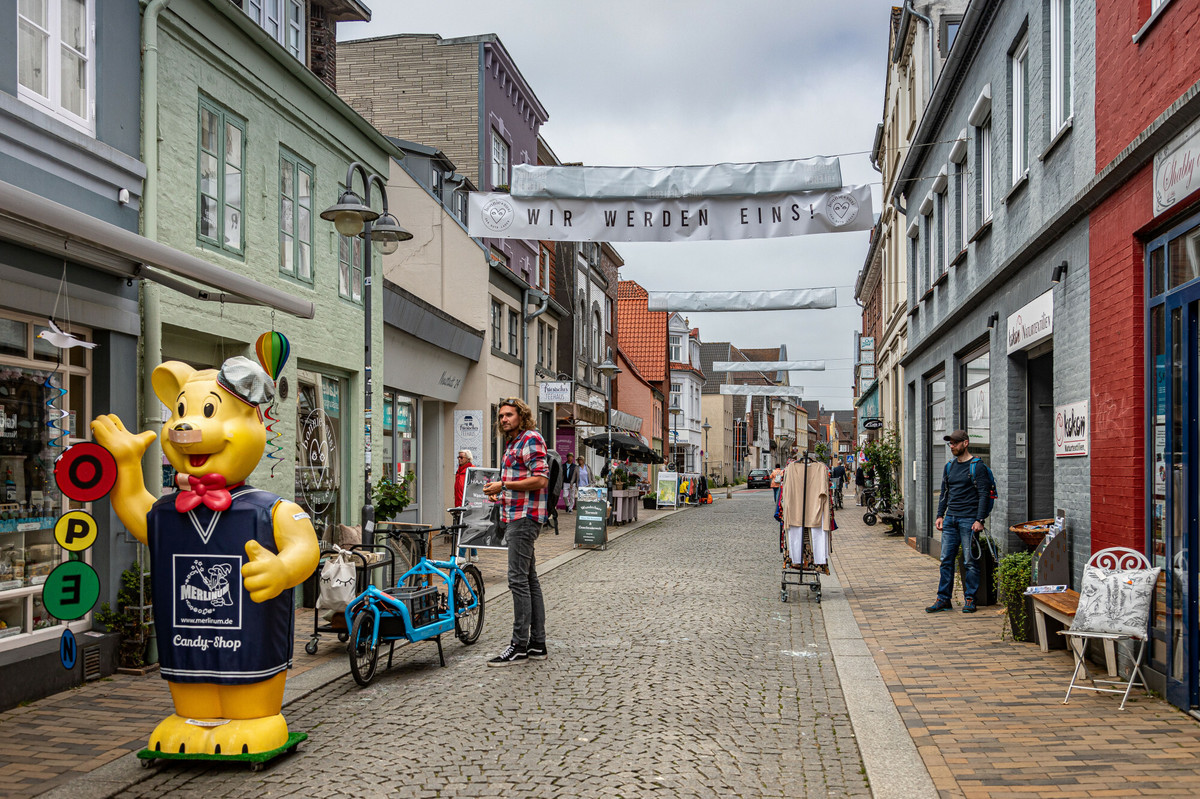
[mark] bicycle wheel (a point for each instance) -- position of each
(364, 652)
(468, 623)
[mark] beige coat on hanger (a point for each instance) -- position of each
(816, 509)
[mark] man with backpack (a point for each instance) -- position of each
(968, 491)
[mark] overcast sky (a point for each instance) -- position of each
(663, 83)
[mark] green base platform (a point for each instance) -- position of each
(256, 760)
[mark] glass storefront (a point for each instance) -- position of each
(400, 439)
(45, 397)
(976, 403)
(319, 439)
(939, 453)
(1173, 499)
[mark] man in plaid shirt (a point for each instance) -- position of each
(521, 492)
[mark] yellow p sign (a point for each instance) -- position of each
(75, 530)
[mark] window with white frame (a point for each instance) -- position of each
(983, 162)
(497, 325)
(550, 348)
(676, 355)
(219, 180)
(350, 268)
(943, 225)
(295, 216)
(1061, 18)
(676, 390)
(608, 315)
(514, 326)
(960, 199)
(927, 250)
(541, 343)
(56, 68)
(283, 20)
(597, 337)
(499, 160)
(1019, 112)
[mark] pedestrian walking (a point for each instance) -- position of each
(570, 483)
(838, 475)
(585, 477)
(777, 482)
(460, 475)
(860, 482)
(961, 511)
(521, 492)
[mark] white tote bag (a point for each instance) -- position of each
(338, 579)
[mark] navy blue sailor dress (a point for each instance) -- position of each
(208, 628)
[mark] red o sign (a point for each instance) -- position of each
(85, 471)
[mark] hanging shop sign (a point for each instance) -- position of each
(1071, 430)
(872, 424)
(1031, 324)
(866, 343)
(1175, 169)
(502, 216)
(715, 180)
(554, 391)
(776, 300)
(468, 432)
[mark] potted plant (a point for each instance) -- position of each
(390, 497)
(133, 619)
(1012, 578)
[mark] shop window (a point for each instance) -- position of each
(319, 452)
(400, 440)
(939, 453)
(56, 69)
(30, 502)
(219, 178)
(295, 217)
(976, 403)
(1183, 259)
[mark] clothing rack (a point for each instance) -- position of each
(795, 576)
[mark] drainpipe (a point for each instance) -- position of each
(151, 315)
(908, 6)
(526, 319)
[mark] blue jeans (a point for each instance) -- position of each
(957, 531)
(529, 612)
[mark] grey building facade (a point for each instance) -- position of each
(998, 319)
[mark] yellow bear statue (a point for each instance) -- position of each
(224, 559)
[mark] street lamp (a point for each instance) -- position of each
(352, 216)
(609, 370)
(706, 427)
(675, 437)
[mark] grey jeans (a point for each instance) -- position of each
(529, 612)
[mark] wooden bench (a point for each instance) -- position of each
(1061, 608)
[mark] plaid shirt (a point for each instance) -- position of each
(525, 456)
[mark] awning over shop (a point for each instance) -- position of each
(624, 446)
(45, 225)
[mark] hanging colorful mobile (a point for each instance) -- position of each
(273, 350)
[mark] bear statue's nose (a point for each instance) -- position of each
(183, 426)
(184, 433)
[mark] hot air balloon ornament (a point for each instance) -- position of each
(273, 350)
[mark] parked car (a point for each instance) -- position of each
(758, 478)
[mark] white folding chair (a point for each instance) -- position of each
(1113, 559)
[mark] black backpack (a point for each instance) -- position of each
(554, 480)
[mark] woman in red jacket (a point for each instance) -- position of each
(460, 476)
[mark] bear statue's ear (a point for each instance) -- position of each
(168, 380)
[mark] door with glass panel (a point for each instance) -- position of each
(1174, 406)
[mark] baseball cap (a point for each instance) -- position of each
(957, 436)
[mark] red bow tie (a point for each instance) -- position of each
(209, 489)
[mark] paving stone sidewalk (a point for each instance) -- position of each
(987, 715)
(48, 743)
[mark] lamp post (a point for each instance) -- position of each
(675, 437)
(352, 216)
(609, 370)
(706, 427)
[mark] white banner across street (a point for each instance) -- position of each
(768, 366)
(502, 216)
(674, 182)
(775, 300)
(729, 389)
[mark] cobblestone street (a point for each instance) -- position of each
(673, 667)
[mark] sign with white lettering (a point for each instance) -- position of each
(1031, 324)
(1175, 172)
(1071, 430)
(502, 216)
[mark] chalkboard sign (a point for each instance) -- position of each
(481, 531)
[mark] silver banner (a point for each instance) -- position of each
(775, 300)
(768, 366)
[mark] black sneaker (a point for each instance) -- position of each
(969, 605)
(511, 654)
(536, 651)
(941, 604)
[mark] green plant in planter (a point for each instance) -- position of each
(130, 619)
(1012, 578)
(391, 496)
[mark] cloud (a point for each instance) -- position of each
(664, 82)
